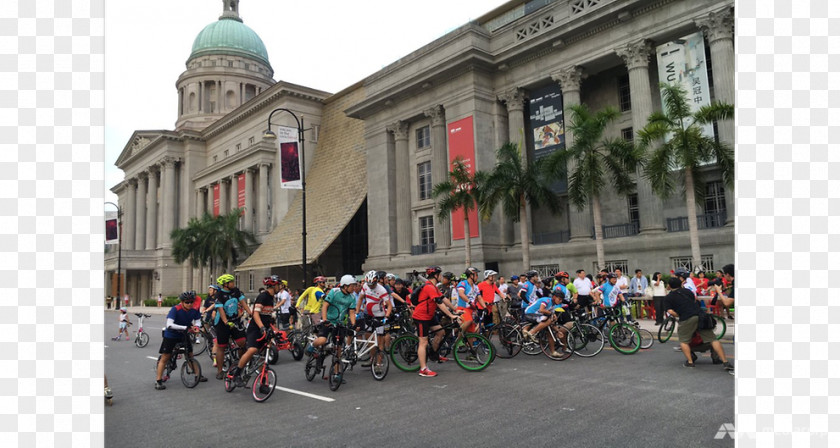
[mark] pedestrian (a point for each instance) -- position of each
(658, 286)
(159, 299)
(125, 301)
(513, 293)
(583, 284)
(124, 323)
(504, 300)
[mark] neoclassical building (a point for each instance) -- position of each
(506, 76)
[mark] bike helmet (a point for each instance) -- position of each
(681, 273)
(225, 278)
(390, 276)
(124, 309)
(381, 274)
(347, 280)
(269, 282)
(320, 279)
(561, 274)
(488, 273)
(216, 287)
(531, 273)
(187, 296)
(611, 275)
(276, 278)
(431, 271)
(371, 277)
(449, 275)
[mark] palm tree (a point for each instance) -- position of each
(683, 148)
(228, 240)
(461, 191)
(213, 240)
(596, 161)
(187, 243)
(514, 184)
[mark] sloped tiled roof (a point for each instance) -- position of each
(334, 190)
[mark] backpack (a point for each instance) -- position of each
(414, 298)
(231, 307)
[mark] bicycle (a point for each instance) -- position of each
(512, 338)
(190, 370)
(265, 379)
(666, 330)
(315, 364)
(141, 338)
(586, 339)
(362, 349)
(472, 351)
(624, 338)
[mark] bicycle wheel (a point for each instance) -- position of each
(531, 347)
(142, 340)
(720, 329)
(230, 385)
(296, 339)
(587, 340)
(624, 338)
(477, 352)
(273, 355)
(190, 373)
(379, 365)
(510, 341)
(646, 338)
(263, 385)
(337, 369)
(199, 343)
(404, 353)
(666, 330)
(311, 368)
(561, 345)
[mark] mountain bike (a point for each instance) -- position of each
(472, 351)
(141, 338)
(190, 369)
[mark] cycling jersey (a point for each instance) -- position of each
(340, 305)
(488, 292)
(528, 292)
(310, 300)
(471, 291)
(567, 295)
(179, 319)
(426, 302)
(534, 308)
(222, 298)
(375, 299)
(266, 302)
(609, 293)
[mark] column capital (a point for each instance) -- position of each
(717, 25)
(569, 78)
(132, 182)
(514, 99)
(168, 161)
(636, 54)
(153, 168)
(143, 174)
(225, 180)
(436, 114)
(265, 165)
(399, 128)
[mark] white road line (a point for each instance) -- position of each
(305, 394)
(152, 357)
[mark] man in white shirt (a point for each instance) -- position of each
(622, 282)
(584, 287)
(284, 301)
(500, 308)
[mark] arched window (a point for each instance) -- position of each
(192, 102)
(230, 100)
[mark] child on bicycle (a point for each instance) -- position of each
(124, 323)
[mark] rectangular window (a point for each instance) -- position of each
(633, 207)
(627, 134)
(624, 93)
(611, 266)
(715, 198)
(685, 263)
(424, 139)
(250, 280)
(546, 270)
(427, 230)
(424, 175)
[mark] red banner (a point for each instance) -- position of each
(462, 143)
(240, 194)
(216, 200)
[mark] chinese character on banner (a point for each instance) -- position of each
(683, 62)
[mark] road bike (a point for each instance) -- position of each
(624, 337)
(586, 339)
(472, 351)
(190, 369)
(141, 338)
(265, 379)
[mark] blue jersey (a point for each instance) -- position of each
(181, 316)
(471, 291)
(530, 292)
(609, 293)
(567, 296)
(535, 307)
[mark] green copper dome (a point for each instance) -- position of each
(229, 36)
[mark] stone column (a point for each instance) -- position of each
(636, 55)
(234, 192)
(151, 209)
(514, 100)
(208, 200)
(249, 200)
(262, 200)
(440, 170)
(199, 202)
(140, 237)
(130, 215)
(168, 200)
(224, 195)
(403, 187)
(718, 28)
(580, 221)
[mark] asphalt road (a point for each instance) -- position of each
(612, 400)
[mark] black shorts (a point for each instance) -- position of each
(284, 318)
(252, 334)
(324, 330)
(424, 327)
(584, 301)
(168, 345)
(225, 334)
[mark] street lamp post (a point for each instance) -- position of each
(271, 135)
(119, 251)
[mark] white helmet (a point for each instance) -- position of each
(371, 277)
(488, 273)
(347, 280)
(390, 276)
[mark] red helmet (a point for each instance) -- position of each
(431, 271)
(561, 274)
(320, 279)
(269, 282)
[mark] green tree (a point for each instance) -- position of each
(515, 184)
(213, 240)
(461, 191)
(593, 162)
(680, 149)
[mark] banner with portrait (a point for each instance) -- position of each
(290, 163)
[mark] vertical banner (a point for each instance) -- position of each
(111, 229)
(216, 200)
(240, 193)
(545, 112)
(683, 62)
(287, 139)
(462, 143)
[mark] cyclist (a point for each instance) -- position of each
(425, 318)
(541, 313)
(469, 299)
(335, 310)
(378, 303)
(489, 292)
(283, 300)
(310, 300)
(528, 290)
(230, 304)
(256, 331)
(608, 294)
(182, 318)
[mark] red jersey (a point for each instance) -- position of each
(488, 293)
(426, 306)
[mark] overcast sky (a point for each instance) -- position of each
(323, 44)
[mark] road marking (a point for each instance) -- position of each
(106, 346)
(305, 394)
(152, 357)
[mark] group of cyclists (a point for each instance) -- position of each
(437, 298)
